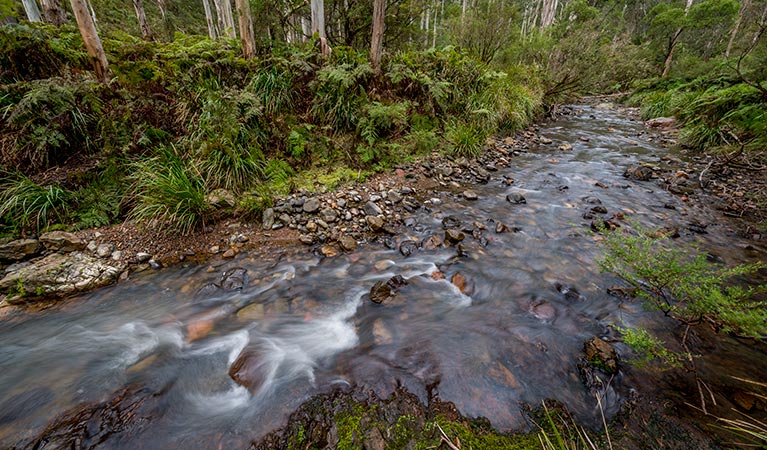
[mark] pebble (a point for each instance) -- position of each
(470, 195)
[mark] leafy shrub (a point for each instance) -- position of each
(339, 94)
(30, 52)
(169, 193)
(685, 287)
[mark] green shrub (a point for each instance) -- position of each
(686, 287)
(169, 193)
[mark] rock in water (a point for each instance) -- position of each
(453, 236)
(386, 292)
(60, 275)
(515, 198)
(470, 195)
(639, 173)
(249, 369)
(661, 122)
(234, 279)
(407, 247)
(601, 355)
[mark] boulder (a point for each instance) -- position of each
(61, 274)
(249, 369)
(61, 241)
(408, 247)
(19, 249)
(661, 122)
(221, 198)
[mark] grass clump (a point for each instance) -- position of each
(26, 205)
(169, 193)
(466, 140)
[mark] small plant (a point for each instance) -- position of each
(30, 205)
(563, 433)
(465, 140)
(169, 193)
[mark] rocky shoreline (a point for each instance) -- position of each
(60, 264)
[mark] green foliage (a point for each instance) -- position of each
(34, 51)
(562, 432)
(650, 348)
(169, 193)
(30, 206)
(340, 94)
(273, 86)
(465, 140)
(685, 287)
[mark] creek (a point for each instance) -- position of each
(532, 297)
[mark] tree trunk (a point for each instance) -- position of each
(225, 19)
(463, 11)
(318, 24)
(743, 8)
(211, 21)
(426, 28)
(548, 13)
(672, 44)
(376, 41)
(246, 29)
(146, 33)
(33, 12)
(434, 34)
(53, 12)
(91, 39)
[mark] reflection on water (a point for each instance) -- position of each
(301, 325)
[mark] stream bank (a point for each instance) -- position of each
(500, 293)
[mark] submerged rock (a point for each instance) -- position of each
(515, 198)
(601, 354)
(639, 173)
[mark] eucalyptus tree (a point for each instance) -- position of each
(246, 29)
(32, 11)
(91, 39)
(143, 23)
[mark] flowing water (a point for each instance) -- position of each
(534, 296)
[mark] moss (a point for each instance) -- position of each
(352, 426)
(476, 436)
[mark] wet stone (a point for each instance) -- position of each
(371, 209)
(432, 242)
(470, 195)
(408, 247)
(347, 243)
(601, 354)
(453, 236)
(599, 209)
(515, 198)
(375, 223)
(451, 222)
(639, 173)
(306, 239)
(386, 292)
(249, 369)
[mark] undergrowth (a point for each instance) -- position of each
(287, 121)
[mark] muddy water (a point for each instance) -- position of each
(533, 297)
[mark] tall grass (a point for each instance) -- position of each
(169, 193)
(28, 205)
